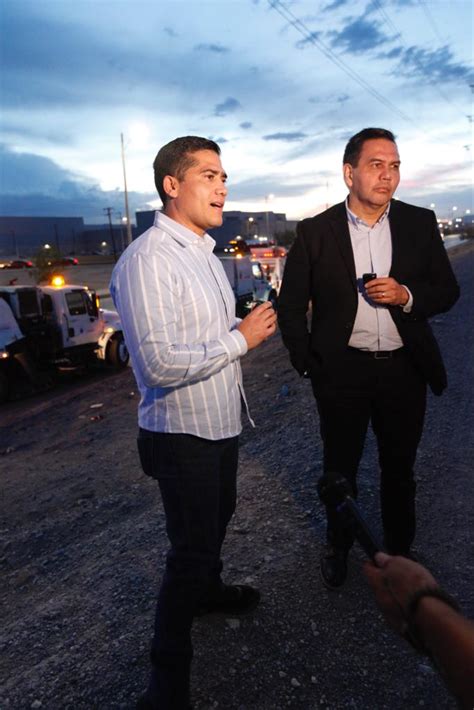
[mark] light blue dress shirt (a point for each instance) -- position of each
(178, 316)
(374, 328)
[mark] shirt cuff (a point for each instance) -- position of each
(409, 304)
(235, 344)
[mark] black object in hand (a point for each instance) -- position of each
(368, 277)
(335, 491)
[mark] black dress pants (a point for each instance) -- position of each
(197, 479)
(356, 389)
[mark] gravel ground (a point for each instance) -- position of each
(84, 540)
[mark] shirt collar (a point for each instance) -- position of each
(356, 221)
(184, 236)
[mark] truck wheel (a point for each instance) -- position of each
(4, 389)
(117, 353)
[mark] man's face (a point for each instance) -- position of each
(375, 178)
(197, 201)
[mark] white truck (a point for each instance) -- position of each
(54, 327)
(248, 282)
(272, 260)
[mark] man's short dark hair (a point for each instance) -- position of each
(176, 157)
(354, 146)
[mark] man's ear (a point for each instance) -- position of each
(171, 185)
(347, 173)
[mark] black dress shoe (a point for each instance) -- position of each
(233, 600)
(333, 567)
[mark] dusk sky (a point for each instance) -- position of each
(279, 85)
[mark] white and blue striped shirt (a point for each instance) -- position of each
(178, 316)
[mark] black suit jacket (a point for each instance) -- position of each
(320, 269)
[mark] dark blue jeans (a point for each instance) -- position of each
(197, 479)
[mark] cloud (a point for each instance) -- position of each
(228, 106)
(330, 99)
(50, 62)
(217, 48)
(310, 39)
(245, 125)
(37, 131)
(392, 54)
(291, 136)
(437, 65)
(335, 5)
(22, 173)
(257, 186)
(359, 36)
(31, 185)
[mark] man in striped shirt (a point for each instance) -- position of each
(178, 315)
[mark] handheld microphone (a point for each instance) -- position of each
(335, 491)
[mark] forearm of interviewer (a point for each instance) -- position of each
(449, 637)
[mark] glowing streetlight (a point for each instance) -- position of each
(248, 225)
(47, 246)
(139, 134)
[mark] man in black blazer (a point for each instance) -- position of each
(370, 351)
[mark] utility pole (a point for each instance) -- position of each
(127, 213)
(123, 242)
(108, 211)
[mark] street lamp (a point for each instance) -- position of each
(127, 213)
(248, 225)
(267, 219)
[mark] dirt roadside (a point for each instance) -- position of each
(83, 541)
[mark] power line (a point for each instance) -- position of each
(381, 9)
(428, 14)
(421, 68)
(313, 39)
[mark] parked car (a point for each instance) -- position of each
(18, 264)
(64, 261)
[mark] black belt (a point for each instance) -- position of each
(379, 354)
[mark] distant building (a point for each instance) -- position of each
(249, 225)
(25, 236)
